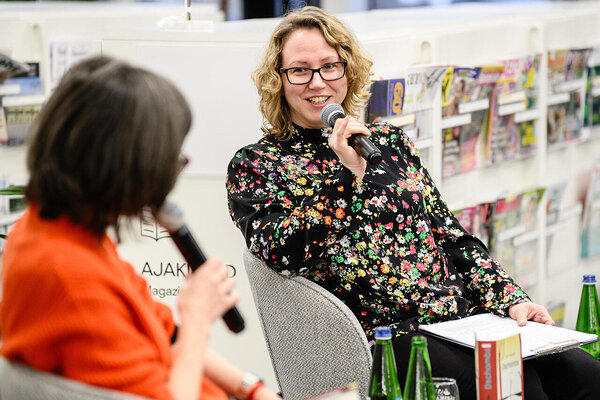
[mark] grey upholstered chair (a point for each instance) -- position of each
(18, 382)
(314, 340)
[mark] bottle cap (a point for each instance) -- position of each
(383, 332)
(589, 279)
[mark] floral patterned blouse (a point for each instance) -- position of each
(386, 245)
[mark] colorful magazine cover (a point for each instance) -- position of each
(451, 153)
(566, 86)
(506, 219)
(527, 137)
(517, 90)
(592, 102)
(378, 102)
(463, 81)
(422, 84)
(482, 225)
(468, 92)
(590, 237)
(557, 67)
(577, 61)
(530, 202)
(395, 96)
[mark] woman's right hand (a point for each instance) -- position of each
(207, 293)
(338, 141)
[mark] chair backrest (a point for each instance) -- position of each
(18, 382)
(315, 342)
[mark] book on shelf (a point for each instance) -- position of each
(498, 366)
(536, 339)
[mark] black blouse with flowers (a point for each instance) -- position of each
(387, 245)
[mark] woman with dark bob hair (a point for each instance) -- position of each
(379, 237)
(105, 146)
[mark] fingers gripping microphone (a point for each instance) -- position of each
(360, 143)
(170, 217)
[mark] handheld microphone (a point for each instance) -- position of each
(170, 216)
(363, 146)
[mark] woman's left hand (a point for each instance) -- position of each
(523, 312)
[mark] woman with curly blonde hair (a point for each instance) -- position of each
(378, 236)
(269, 80)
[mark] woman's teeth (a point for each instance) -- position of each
(318, 100)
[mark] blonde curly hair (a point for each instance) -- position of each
(268, 79)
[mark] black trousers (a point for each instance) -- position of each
(570, 375)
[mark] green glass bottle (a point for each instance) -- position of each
(419, 385)
(588, 318)
(384, 377)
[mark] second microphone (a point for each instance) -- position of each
(360, 143)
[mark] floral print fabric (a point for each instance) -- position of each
(386, 245)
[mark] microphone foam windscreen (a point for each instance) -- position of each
(330, 110)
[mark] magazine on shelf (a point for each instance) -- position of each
(530, 202)
(592, 90)
(507, 218)
(592, 102)
(567, 80)
(378, 102)
(536, 339)
(557, 67)
(590, 236)
(463, 81)
(422, 84)
(465, 113)
(512, 117)
(395, 94)
(451, 153)
(10, 67)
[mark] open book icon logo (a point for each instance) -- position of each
(150, 228)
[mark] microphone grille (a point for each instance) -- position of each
(328, 111)
(170, 216)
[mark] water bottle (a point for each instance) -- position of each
(588, 318)
(384, 383)
(419, 384)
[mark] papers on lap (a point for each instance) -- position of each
(536, 339)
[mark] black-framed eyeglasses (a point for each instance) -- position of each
(303, 75)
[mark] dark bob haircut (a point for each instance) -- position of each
(106, 144)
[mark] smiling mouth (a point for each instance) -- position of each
(318, 99)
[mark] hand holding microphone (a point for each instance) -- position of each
(170, 217)
(363, 146)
